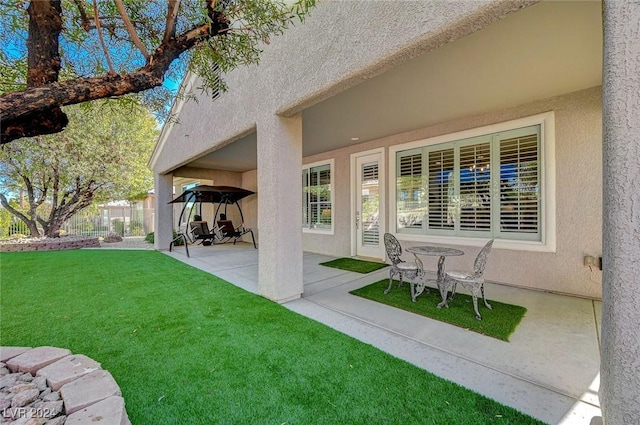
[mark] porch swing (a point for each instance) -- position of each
(223, 230)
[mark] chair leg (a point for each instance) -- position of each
(453, 290)
(484, 299)
(391, 273)
(444, 291)
(475, 306)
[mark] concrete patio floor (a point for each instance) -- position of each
(549, 369)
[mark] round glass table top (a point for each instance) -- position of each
(434, 250)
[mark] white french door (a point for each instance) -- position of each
(368, 202)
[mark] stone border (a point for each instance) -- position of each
(52, 386)
(51, 244)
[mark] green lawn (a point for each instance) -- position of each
(189, 348)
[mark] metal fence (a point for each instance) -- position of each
(124, 221)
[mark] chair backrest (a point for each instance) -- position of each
(394, 250)
(199, 228)
(226, 227)
(481, 259)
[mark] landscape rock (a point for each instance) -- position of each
(67, 369)
(92, 395)
(35, 359)
(109, 411)
(23, 398)
(9, 352)
(112, 237)
(52, 396)
(88, 390)
(60, 420)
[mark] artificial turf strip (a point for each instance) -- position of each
(353, 265)
(189, 348)
(500, 322)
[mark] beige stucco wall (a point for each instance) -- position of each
(578, 119)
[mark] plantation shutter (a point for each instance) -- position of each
(305, 198)
(475, 184)
(316, 197)
(370, 226)
(410, 189)
(520, 185)
(442, 197)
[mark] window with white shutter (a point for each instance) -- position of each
(485, 186)
(317, 197)
(520, 185)
(410, 190)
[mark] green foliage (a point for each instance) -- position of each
(136, 228)
(118, 227)
(102, 155)
(5, 222)
(178, 242)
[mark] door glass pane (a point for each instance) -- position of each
(370, 205)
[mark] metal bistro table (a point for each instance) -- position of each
(432, 251)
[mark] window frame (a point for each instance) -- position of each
(308, 167)
(547, 167)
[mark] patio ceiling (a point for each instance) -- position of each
(548, 49)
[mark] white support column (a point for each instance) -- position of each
(620, 364)
(280, 207)
(163, 223)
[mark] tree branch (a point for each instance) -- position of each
(84, 18)
(131, 30)
(19, 108)
(96, 19)
(170, 25)
(5, 203)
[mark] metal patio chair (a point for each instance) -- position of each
(473, 281)
(399, 266)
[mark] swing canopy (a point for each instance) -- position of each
(213, 194)
(221, 195)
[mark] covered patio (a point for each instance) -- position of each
(549, 369)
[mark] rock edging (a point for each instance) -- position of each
(52, 386)
(50, 244)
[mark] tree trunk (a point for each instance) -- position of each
(45, 26)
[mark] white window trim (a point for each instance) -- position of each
(331, 163)
(548, 183)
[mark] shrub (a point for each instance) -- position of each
(136, 228)
(151, 238)
(118, 226)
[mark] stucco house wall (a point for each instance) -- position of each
(294, 74)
